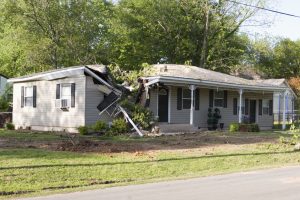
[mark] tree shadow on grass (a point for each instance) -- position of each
(146, 161)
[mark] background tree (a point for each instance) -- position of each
(174, 31)
(42, 34)
(278, 59)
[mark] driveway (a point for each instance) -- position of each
(282, 183)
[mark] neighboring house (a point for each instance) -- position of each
(3, 81)
(63, 99)
(179, 94)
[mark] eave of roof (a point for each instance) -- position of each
(179, 80)
(62, 73)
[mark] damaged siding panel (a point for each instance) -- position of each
(93, 97)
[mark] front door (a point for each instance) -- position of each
(252, 113)
(163, 99)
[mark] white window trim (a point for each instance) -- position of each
(65, 85)
(184, 98)
(59, 102)
(25, 96)
(215, 91)
(267, 106)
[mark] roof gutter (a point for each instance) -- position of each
(156, 79)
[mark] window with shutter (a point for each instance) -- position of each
(259, 107)
(73, 95)
(197, 99)
(179, 98)
(270, 107)
(235, 104)
(265, 107)
(225, 99)
(211, 98)
(219, 98)
(34, 96)
(28, 96)
(186, 99)
(65, 95)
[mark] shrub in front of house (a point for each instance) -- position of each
(141, 116)
(10, 126)
(236, 127)
(99, 126)
(119, 126)
(83, 130)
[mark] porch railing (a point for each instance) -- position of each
(290, 118)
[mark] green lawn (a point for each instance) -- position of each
(28, 171)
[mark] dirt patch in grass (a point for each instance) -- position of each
(175, 142)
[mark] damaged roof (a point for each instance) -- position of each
(98, 72)
(204, 75)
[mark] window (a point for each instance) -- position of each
(219, 99)
(65, 91)
(186, 99)
(265, 107)
(28, 96)
(65, 95)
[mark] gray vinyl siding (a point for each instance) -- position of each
(178, 116)
(46, 116)
(153, 101)
(93, 98)
(200, 116)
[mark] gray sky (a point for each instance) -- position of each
(280, 25)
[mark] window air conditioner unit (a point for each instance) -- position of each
(63, 104)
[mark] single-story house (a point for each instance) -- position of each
(62, 99)
(178, 95)
(3, 82)
(181, 95)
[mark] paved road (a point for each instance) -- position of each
(283, 184)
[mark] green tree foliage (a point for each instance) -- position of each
(36, 35)
(278, 59)
(152, 31)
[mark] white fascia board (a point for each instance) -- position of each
(211, 83)
(50, 75)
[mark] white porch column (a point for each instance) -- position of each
(240, 106)
(192, 88)
(284, 111)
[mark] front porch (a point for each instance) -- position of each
(184, 108)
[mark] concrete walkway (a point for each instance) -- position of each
(282, 183)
